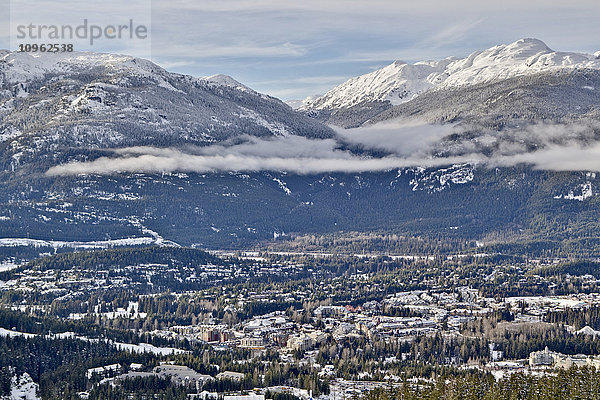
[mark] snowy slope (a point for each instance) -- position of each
(401, 82)
(226, 80)
(23, 388)
(58, 103)
(523, 57)
(23, 68)
(397, 82)
(26, 67)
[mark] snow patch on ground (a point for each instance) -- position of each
(9, 134)
(23, 388)
(134, 348)
(148, 348)
(283, 186)
(587, 330)
(103, 244)
(581, 193)
(7, 266)
(10, 333)
(440, 179)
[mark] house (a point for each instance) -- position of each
(105, 371)
(252, 342)
(541, 358)
(249, 396)
(182, 375)
(300, 343)
(135, 367)
(234, 376)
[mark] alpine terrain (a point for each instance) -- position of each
(424, 231)
(81, 109)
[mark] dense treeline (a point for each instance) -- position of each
(261, 371)
(518, 340)
(125, 257)
(578, 318)
(572, 384)
(373, 242)
(48, 325)
(137, 389)
(60, 365)
(518, 201)
(582, 247)
(583, 267)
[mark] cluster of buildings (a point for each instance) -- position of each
(400, 316)
(547, 358)
(178, 374)
(81, 281)
(306, 340)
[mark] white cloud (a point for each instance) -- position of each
(400, 138)
(560, 147)
(556, 158)
(451, 34)
(179, 161)
(238, 50)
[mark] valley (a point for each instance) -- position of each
(425, 230)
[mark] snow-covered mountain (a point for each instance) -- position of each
(18, 67)
(523, 57)
(59, 108)
(53, 103)
(397, 83)
(23, 68)
(401, 82)
(228, 81)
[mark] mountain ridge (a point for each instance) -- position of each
(85, 110)
(401, 82)
(53, 104)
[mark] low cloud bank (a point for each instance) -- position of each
(555, 147)
(555, 158)
(183, 162)
(407, 139)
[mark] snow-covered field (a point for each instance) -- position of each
(557, 301)
(7, 266)
(134, 348)
(11, 333)
(23, 242)
(148, 348)
(23, 388)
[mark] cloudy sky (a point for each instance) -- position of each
(292, 49)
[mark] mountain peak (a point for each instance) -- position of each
(530, 43)
(108, 101)
(225, 80)
(400, 82)
(520, 49)
(24, 67)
